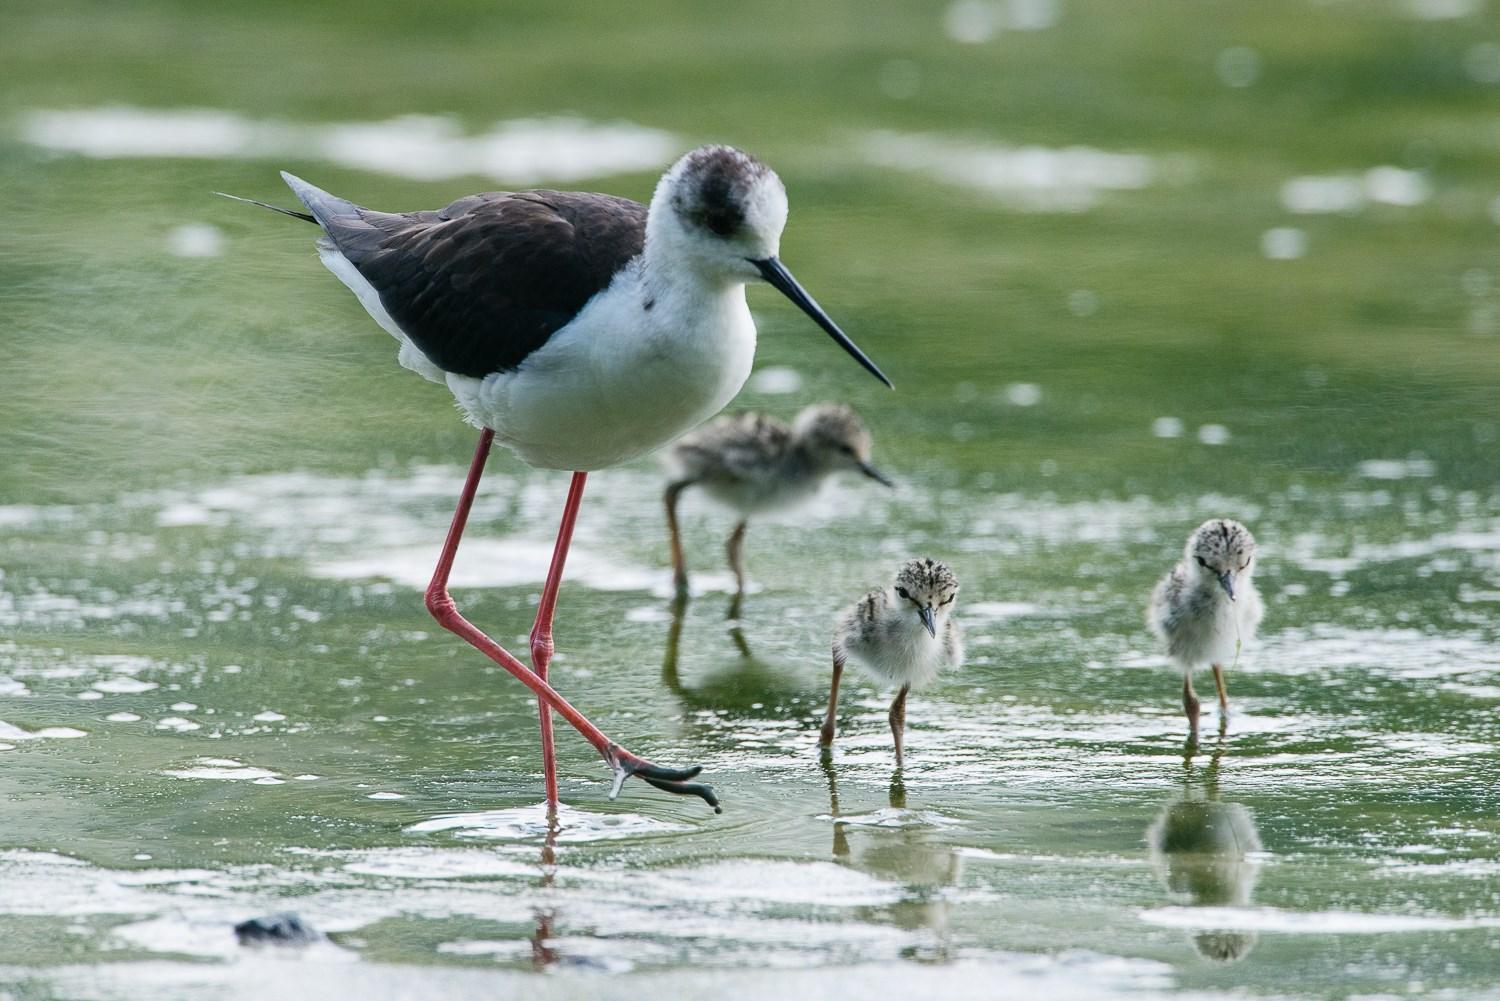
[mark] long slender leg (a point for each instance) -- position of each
(734, 547)
(1223, 695)
(679, 565)
(440, 604)
(898, 720)
(1190, 706)
(825, 737)
(541, 630)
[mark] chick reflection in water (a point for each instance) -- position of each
(1203, 848)
(741, 683)
(896, 845)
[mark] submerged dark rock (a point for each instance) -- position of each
(283, 929)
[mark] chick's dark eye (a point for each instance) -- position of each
(902, 591)
(1201, 562)
(948, 600)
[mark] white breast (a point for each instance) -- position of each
(617, 382)
(902, 654)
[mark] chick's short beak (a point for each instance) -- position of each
(1226, 581)
(925, 612)
(875, 474)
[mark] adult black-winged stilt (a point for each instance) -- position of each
(579, 330)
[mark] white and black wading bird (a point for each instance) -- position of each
(1207, 608)
(901, 635)
(753, 463)
(580, 331)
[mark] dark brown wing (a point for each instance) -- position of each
(483, 283)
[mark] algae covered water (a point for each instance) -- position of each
(1129, 267)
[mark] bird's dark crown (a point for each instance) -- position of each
(713, 189)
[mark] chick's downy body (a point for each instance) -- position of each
(1207, 608)
(753, 463)
(902, 635)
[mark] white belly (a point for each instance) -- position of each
(616, 383)
(904, 655)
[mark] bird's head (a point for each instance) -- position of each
(1222, 550)
(720, 212)
(929, 588)
(836, 438)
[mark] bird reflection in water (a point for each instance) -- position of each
(544, 953)
(895, 845)
(740, 682)
(1203, 849)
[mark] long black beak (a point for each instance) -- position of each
(876, 475)
(925, 612)
(1226, 581)
(779, 278)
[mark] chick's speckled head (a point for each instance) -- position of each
(834, 428)
(1221, 546)
(927, 583)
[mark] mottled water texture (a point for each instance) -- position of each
(1129, 268)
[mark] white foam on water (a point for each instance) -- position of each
(421, 147)
(1471, 537)
(1268, 919)
(437, 863)
(1283, 243)
(124, 685)
(10, 687)
(1167, 427)
(220, 769)
(1023, 394)
(775, 380)
(1397, 469)
(974, 22)
(1441, 10)
(9, 732)
(997, 610)
(1332, 193)
(1032, 178)
(531, 824)
(1213, 434)
(195, 239)
(821, 884)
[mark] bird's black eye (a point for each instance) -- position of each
(846, 449)
(948, 600)
(1201, 562)
(903, 592)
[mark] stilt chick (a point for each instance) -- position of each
(753, 463)
(902, 635)
(1207, 608)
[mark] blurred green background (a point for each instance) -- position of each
(1129, 264)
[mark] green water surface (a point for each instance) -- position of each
(220, 695)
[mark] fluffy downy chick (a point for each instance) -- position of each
(1207, 608)
(901, 635)
(752, 463)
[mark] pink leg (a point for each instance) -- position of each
(441, 605)
(541, 631)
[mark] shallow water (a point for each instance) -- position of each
(220, 695)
